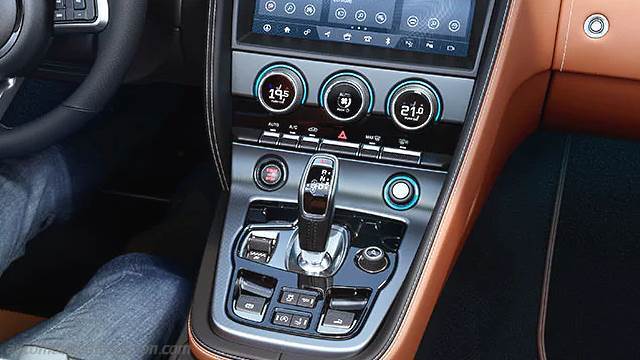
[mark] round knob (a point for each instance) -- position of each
(372, 260)
(281, 89)
(401, 193)
(413, 105)
(346, 97)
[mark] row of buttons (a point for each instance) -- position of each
(298, 298)
(363, 151)
(73, 10)
(296, 321)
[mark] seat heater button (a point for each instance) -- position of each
(250, 304)
(307, 301)
(282, 319)
(300, 321)
(338, 319)
(289, 298)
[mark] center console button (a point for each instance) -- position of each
(309, 143)
(372, 260)
(289, 141)
(346, 97)
(338, 319)
(280, 89)
(413, 105)
(339, 147)
(270, 138)
(270, 174)
(251, 305)
(369, 151)
(289, 298)
(400, 155)
(307, 300)
(300, 321)
(401, 192)
(282, 319)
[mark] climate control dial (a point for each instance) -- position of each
(281, 89)
(346, 97)
(413, 105)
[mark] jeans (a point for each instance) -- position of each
(129, 308)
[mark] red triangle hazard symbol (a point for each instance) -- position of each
(343, 135)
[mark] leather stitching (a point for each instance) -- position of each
(566, 37)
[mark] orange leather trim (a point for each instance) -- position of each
(511, 110)
(13, 323)
(593, 104)
(616, 54)
(198, 351)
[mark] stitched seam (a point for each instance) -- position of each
(209, 94)
(84, 305)
(470, 140)
(566, 36)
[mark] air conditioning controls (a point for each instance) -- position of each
(346, 97)
(413, 105)
(280, 89)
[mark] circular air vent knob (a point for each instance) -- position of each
(281, 89)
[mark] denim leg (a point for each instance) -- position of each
(34, 192)
(133, 304)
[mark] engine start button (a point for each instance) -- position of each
(270, 174)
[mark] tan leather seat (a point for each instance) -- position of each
(13, 323)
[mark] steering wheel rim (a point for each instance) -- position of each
(116, 48)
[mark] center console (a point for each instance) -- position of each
(344, 117)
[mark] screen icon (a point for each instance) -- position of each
(307, 32)
(451, 48)
(309, 10)
(267, 28)
(341, 13)
(290, 8)
(347, 36)
(381, 18)
(387, 41)
(413, 21)
(270, 5)
(327, 33)
(454, 25)
(361, 15)
(287, 30)
(367, 38)
(433, 23)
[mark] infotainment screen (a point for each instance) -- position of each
(440, 27)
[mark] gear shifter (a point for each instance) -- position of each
(316, 199)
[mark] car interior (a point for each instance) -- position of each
(340, 179)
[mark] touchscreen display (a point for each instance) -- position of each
(429, 26)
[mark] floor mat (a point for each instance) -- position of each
(593, 310)
(489, 306)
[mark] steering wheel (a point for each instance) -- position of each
(26, 30)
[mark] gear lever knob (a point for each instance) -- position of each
(316, 202)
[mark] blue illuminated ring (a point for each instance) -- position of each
(416, 82)
(281, 66)
(410, 204)
(360, 77)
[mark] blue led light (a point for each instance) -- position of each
(410, 204)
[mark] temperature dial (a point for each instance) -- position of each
(281, 89)
(346, 97)
(413, 105)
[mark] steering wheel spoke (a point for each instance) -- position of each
(8, 90)
(80, 16)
